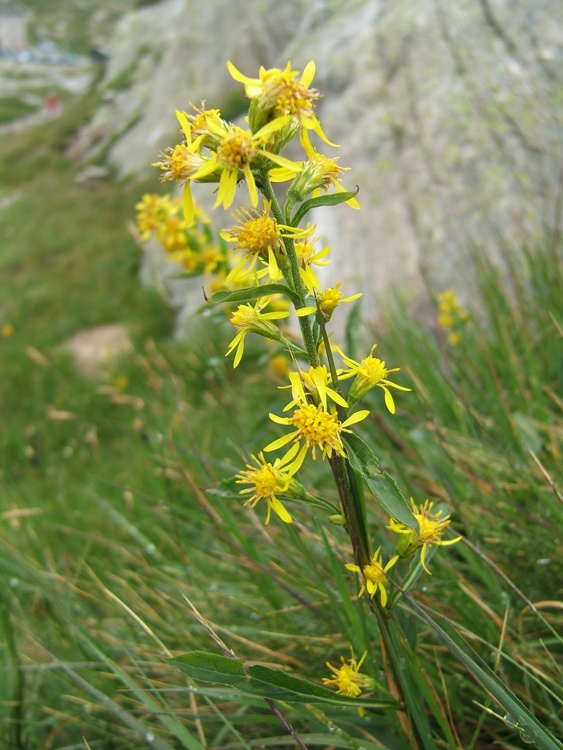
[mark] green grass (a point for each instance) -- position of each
(105, 525)
(12, 108)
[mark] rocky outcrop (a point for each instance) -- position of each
(448, 113)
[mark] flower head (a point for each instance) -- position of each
(258, 236)
(369, 373)
(327, 302)
(236, 150)
(247, 319)
(278, 93)
(308, 256)
(314, 423)
(152, 209)
(314, 382)
(451, 316)
(267, 479)
(430, 528)
(348, 679)
(182, 163)
(374, 576)
(318, 173)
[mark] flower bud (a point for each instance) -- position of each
(337, 520)
(407, 545)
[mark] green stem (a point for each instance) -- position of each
(352, 502)
(304, 324)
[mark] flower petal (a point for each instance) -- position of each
(358, 416)
(279, 443)
(188, 203)
(278, 508)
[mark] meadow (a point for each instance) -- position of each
(115, 557)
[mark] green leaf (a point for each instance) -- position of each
(212, 668)
(392, 499)
(265, 682)
(253, 292)
(323, 200)
(361, 456)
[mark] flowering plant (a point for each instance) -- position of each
(275, 256)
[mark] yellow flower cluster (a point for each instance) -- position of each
(193, 248)
(451, 316)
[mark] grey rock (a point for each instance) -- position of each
(449, 115)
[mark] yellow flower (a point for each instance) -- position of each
(307, 257)
(327, 302)
(314, 382)
(277, 93)
(171, 233)
(182, 163)
(451, 315)
(200, 125)
(152, 209)
(236, 150)
(7, 330)
(279, 365)
(269, 479)
(374, 575)
(348, 679)
(370, 372)
(314, 424)
(247, 319)
(212, 258)
(430, 529)
(259, 236)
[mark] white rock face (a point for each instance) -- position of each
(449, 115)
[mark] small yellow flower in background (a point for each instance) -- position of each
(247, 319)
(369, 373)
(152, 210)
(374, 575)
(7, 330)
(279, 365)
(268, 479)
(451, 316)
(121, 383)
(430, 529)
(327, 302)
(314, 424)
(308, 256)
(348, 679)
(171, 234)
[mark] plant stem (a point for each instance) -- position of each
(304, 324)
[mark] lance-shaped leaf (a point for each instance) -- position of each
(382, 485)
(323, 200)
(265, 682)
(361, 456)
(253, 292)
(392, 499)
